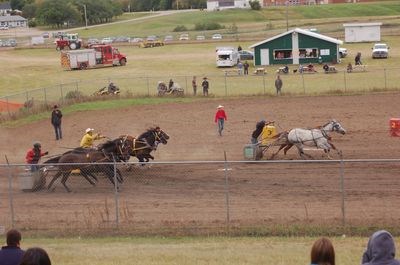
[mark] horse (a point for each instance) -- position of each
(316, 137)
(110, 151)
(144, 144)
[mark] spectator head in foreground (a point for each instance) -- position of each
(35, 256)
(380, 250)
(322, 252)
(13, 238)
(11, 254)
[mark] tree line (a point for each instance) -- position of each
(60, 13)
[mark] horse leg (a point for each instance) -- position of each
(119, 176)
(288, 146)
(64, 180)
(56, 176)
(86, 176)
(301, 152)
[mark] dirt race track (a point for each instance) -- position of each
(193, 195)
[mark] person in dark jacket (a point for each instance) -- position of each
(278, 85)
(56, 116)
(11, 254)
(381, 250)
(256, 133)
(205, 86)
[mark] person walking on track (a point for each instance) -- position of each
(56, 116)
(220, 118)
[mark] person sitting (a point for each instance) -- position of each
(89, 137)
(286, 69)
(33, 156)
(380, 250)
(310, 67)
(326, 67)
(170, 85)
(322, 252)
(349, 68)
(11, 254)
(161, 87)
(112, 89)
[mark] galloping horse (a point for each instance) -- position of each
(142, 146)
(317, 137)
(113, 150)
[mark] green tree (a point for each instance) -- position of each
(255, 5)
(57, 13)
(29, 11)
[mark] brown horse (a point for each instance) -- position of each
(89, 161)
(142, 146)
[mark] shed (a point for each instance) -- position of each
(297, 46)
(13, 21)
(362, 32)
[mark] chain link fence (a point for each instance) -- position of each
(201, 197)
(373, 79)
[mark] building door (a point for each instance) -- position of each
(264, 56)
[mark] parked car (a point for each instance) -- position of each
(380, 50)
(217, 36)
(168, 38)
(46, 35)
(122, 39)
(12, 42)
(92, 41)
(184, 36)
(246, 55)
(200, 37)
(342, 52)
(107, 40)
(3, 27)
(136, 40)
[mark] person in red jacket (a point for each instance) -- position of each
(33, 156)
(220, 118)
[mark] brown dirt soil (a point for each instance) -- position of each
(192, 195)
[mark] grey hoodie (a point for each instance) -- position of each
(380, 250)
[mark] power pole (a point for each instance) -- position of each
(287, 16)
(84, 9)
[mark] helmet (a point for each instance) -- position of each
(37, 144)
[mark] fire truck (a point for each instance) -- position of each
(97, 56)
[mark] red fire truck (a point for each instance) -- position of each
(97, 56)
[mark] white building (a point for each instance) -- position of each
(5, 8)
(13, 21)
(362, 32)
(213, 5)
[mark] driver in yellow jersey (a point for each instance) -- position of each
(89, 137)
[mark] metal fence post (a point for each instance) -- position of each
(342, 190)
(61, 93)
(304, 87)
(264, 84)
(226, 88)
(186, 83)
(116, 187)
(384, 74)
(345, 83)
(227, 195)
(148, 86)
(45, 95)
(10, 194)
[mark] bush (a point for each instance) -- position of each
(208, 26)
(255, 5)
(180, 28)
(32, 23)
(75, 94)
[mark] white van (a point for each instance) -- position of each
(227, 56)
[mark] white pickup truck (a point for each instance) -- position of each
(380, 50)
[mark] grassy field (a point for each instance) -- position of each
(212, 250)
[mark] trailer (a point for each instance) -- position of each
(98, 56)
(227, 56)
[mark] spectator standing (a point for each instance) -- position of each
(33, 156)
(194, 86)
(35, 256)
(220, 118)
(246, 68)
(11, 254)
(278, 84)
(357, 59)
(205, 86)
(322, 252)
(239, 48)
(240, 68)
(170, 85)
(56, 116)
(380, 250)
(89, 137)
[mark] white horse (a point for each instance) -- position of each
(317, 138)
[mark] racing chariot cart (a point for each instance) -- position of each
(268, 139)
(175, 90)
